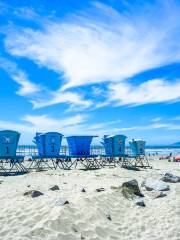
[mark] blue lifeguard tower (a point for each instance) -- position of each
(79, 145)
(137, 147)
(137, 157)
(48, 146)
(10, 162)
(79, 148)
(114, 144)
(8, 143)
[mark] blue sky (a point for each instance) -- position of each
(91, 67)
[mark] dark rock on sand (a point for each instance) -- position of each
(168, 177)
(62, 202)
(108, 217)
(33, 193)
(54, 188)
(139, 202)
(74, 229)
(100, 189)
(83, 190)
(131, 189)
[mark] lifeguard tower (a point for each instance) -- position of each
(10, 163)
(114, 149)
(79, 148)
(137, 153)
(48, 147)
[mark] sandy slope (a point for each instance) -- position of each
(85, 217)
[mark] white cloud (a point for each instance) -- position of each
(30, 124)
(15, 126)
(78, 125)
(38, 95)
(26, 86)
(152, 91)
(102, 44)
(72, 125)
(55, 97)
(44, 123)
(156, 119)
(26, 13)
(146, 127)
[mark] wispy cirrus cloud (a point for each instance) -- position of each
(72, 125)
(44, 123)
(39, 95)
(48, 98)
(26, 86)
(102, 44)
(147, 127)
(26, 13)
(156, 119)
(152, 91)
(78, 124)
(30, 124)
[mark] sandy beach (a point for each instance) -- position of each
(90, 214)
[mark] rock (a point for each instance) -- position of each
(156, 194)
(62, 202)
(108, 217)
(1, 181)
(74, 229)
(100, 189)
(33, 193)
(131, 189)
(54, 188)
(66, 202)
(83, 190)
(156, 185)
(139, 202)
(28, 186)
(168, 177)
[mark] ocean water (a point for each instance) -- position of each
(31, 150)
(163, 150)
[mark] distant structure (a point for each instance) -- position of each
(114, 144)
(8, 142)
(137, 147)
(79, 145)
(48, 144)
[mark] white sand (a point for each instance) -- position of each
(44, 218)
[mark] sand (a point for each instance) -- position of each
(91, 214)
